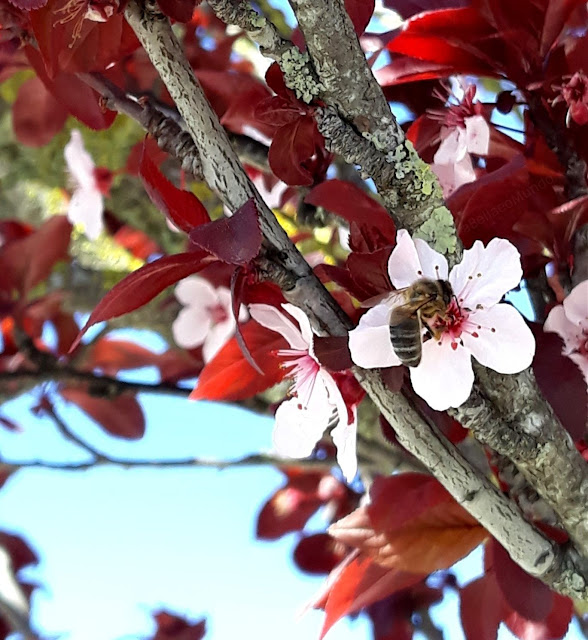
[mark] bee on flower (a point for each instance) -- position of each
(473, 321)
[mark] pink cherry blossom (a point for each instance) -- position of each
(477, 324)
(318, 403)
(207, 317)
(86, 206)
(570, 321)
(465, 131)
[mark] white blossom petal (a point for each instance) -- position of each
(504, 342)
(453, 176)
(271, 318)
(345, 433)
(453, 148)
(369, 342)
(410, 261)
(86, 208)
(558, 322)
(477, 135)
(485, 274)
(576, 305)
(303, 322)
(444, 378)
(79, 162)
(297, 429)
(217, 337)
(196, 291)
(191, 327)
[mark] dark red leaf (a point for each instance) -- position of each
(292, 505)
(293, 145)
(73, 94)
(228, 376)
(369, 272)
(408, 8)
(526, 595)
(121, 416)
(28, 261)
(556, 15)
(318, 554)
(561, 382)
(178, 10)
(354, 205)
(333, 352)
(483, 592)
(553, 627)
(360, 12)
(141, 286)
(36, 114)
(172, 627)
(28, 5)
(181, 207)
(235, 240)
(238, 282)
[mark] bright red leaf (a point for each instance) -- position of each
(181, 207)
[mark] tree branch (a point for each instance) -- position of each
(561, 569)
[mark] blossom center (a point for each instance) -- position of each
(304, 370)
(451, 323)
(217, 313)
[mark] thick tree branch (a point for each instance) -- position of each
(221, 169)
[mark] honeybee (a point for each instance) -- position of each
(419, 304)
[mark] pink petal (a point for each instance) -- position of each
(297, 429)
(86, 208)
(477, 135)
(501, 339)
(576, 305)
(196, 291)
(558, 322)
(453, 176)
(485, 274)
(191, 327)
(444, 378)
(411, 260)
(270, 318)
(369, 342)
(303, 322)
(217, 337)
(453, 148)
(79, 162)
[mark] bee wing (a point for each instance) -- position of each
(392, 298)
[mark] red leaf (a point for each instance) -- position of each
(292, 146)
(405, 69)
(408, 8)
(370, 272)
(171, 627)
(235, 240)
(121, 416)
(73, 94)
(181, 207)
(228, 376)
(318, 554)
(412, 524)
(356, 584)
(445, 37)
(360, 12)
(28, 5)
(333, 352)
(141, 286)
(354, 205)
(561, 382)
(30, 260)
(112, 356)
(483, 591)
(556, 15)
(36, 114)
(292, 505)
(178, 10)
(526, 595)
(553, 627)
